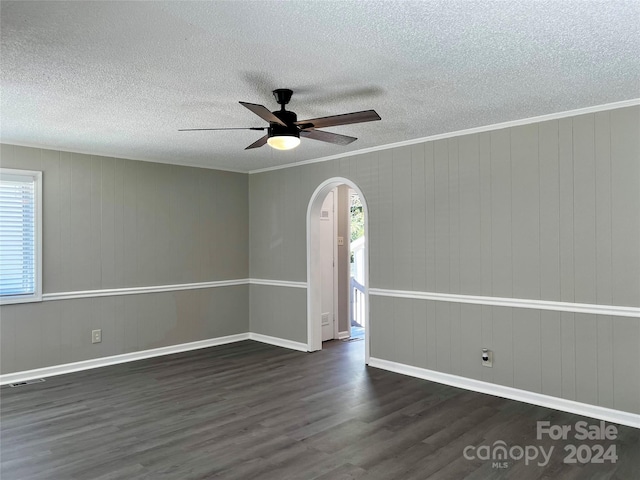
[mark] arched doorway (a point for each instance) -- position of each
(314, 275)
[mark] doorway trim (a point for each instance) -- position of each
(314, 328)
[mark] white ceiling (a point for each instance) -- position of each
(120, 78)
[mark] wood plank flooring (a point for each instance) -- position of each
(250, 410)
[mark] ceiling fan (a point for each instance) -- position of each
(284, 130)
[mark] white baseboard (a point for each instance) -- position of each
(115, 359)
(343, 335)
(593, 411)
(54, 370)
(280, 342)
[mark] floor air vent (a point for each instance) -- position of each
(28, 382)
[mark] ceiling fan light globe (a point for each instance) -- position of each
(283, 142)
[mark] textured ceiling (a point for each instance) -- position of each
(120, 78)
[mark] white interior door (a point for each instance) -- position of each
(327, 239)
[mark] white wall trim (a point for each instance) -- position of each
(277, 283)
(458, 133)
(343, 335)
(279, 342)
(116, 359)
(132, 159)
(110, 292)
(595, 309)
(140, 355)
(593, 411)
(614, 310)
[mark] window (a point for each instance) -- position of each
(20, 236)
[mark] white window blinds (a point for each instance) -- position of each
(19, 230)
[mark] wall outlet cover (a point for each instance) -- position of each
(96, 336)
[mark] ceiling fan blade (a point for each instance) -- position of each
(327, 137)
(258, 143)
(233, 128)
(344, 119)
(263, 113)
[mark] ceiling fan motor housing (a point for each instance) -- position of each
(287, 117)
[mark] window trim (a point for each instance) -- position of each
(37, 295)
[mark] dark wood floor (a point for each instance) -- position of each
(250, 410)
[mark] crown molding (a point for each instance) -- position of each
(469, 131)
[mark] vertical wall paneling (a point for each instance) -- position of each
(455, 337)
(527, 370)
(442, 218)
(372, 196)
(568, 349)
(95, 224)
(584, 211)
(501, 214)
(80, 202)
(487, 339)
(471, 241)
(549, 211)
(63, 282)
(402, 211)
(295, 224)
(119, 224)
(146, 223)
(565, 171)
(602, 152)
(586, 358)
(382, 325)
(384, 226)
(443, 336)
(8, 336)
(430, 217)
(484, 166)
(420, 344)
(107, 224)
(525, 208)
(51, 333)
(432, 337)
(26, 158)
(51, 221)
(625, 205)
(402, 333)
(551, 353)
(605, 376)
(471, 341)
(454, 217)
(418, 207)
(130, 222)
(626, 359)
(503, 346)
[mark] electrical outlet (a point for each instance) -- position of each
(96, 336)
(340, 241)
(487, 358)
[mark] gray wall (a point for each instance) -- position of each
(544, 211)
(114, 223)
(343, 264)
